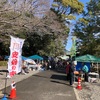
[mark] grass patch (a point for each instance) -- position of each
(3, 63)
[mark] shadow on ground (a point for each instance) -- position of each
(59, 82)
(40, 76)
(58, 77)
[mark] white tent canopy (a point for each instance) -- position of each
(30, 61)
(64, 57)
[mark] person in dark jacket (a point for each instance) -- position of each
(67, 69)
(71, 73)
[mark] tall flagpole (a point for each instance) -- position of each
(73, 48)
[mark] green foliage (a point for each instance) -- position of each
(68, 17)
(3, 63)
(87, 30)
(83, 21)
(45, 36)
(69, 6)
(75, 5)
(66, 10)
(55, 5)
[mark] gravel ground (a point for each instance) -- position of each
(90, 91)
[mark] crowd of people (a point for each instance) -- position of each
(71, 69)
(38, 65)
(68, 65)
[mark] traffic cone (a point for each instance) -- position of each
(79, 87)
(4, 98)
(13, 91)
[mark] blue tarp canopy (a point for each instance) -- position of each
(36, 57)
(23, 58)
(79, 65)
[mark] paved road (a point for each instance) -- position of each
(46, 85)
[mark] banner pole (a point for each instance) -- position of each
(5, 84)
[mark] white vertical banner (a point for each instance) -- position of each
(15, 59)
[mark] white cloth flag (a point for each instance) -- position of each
(15, 59)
